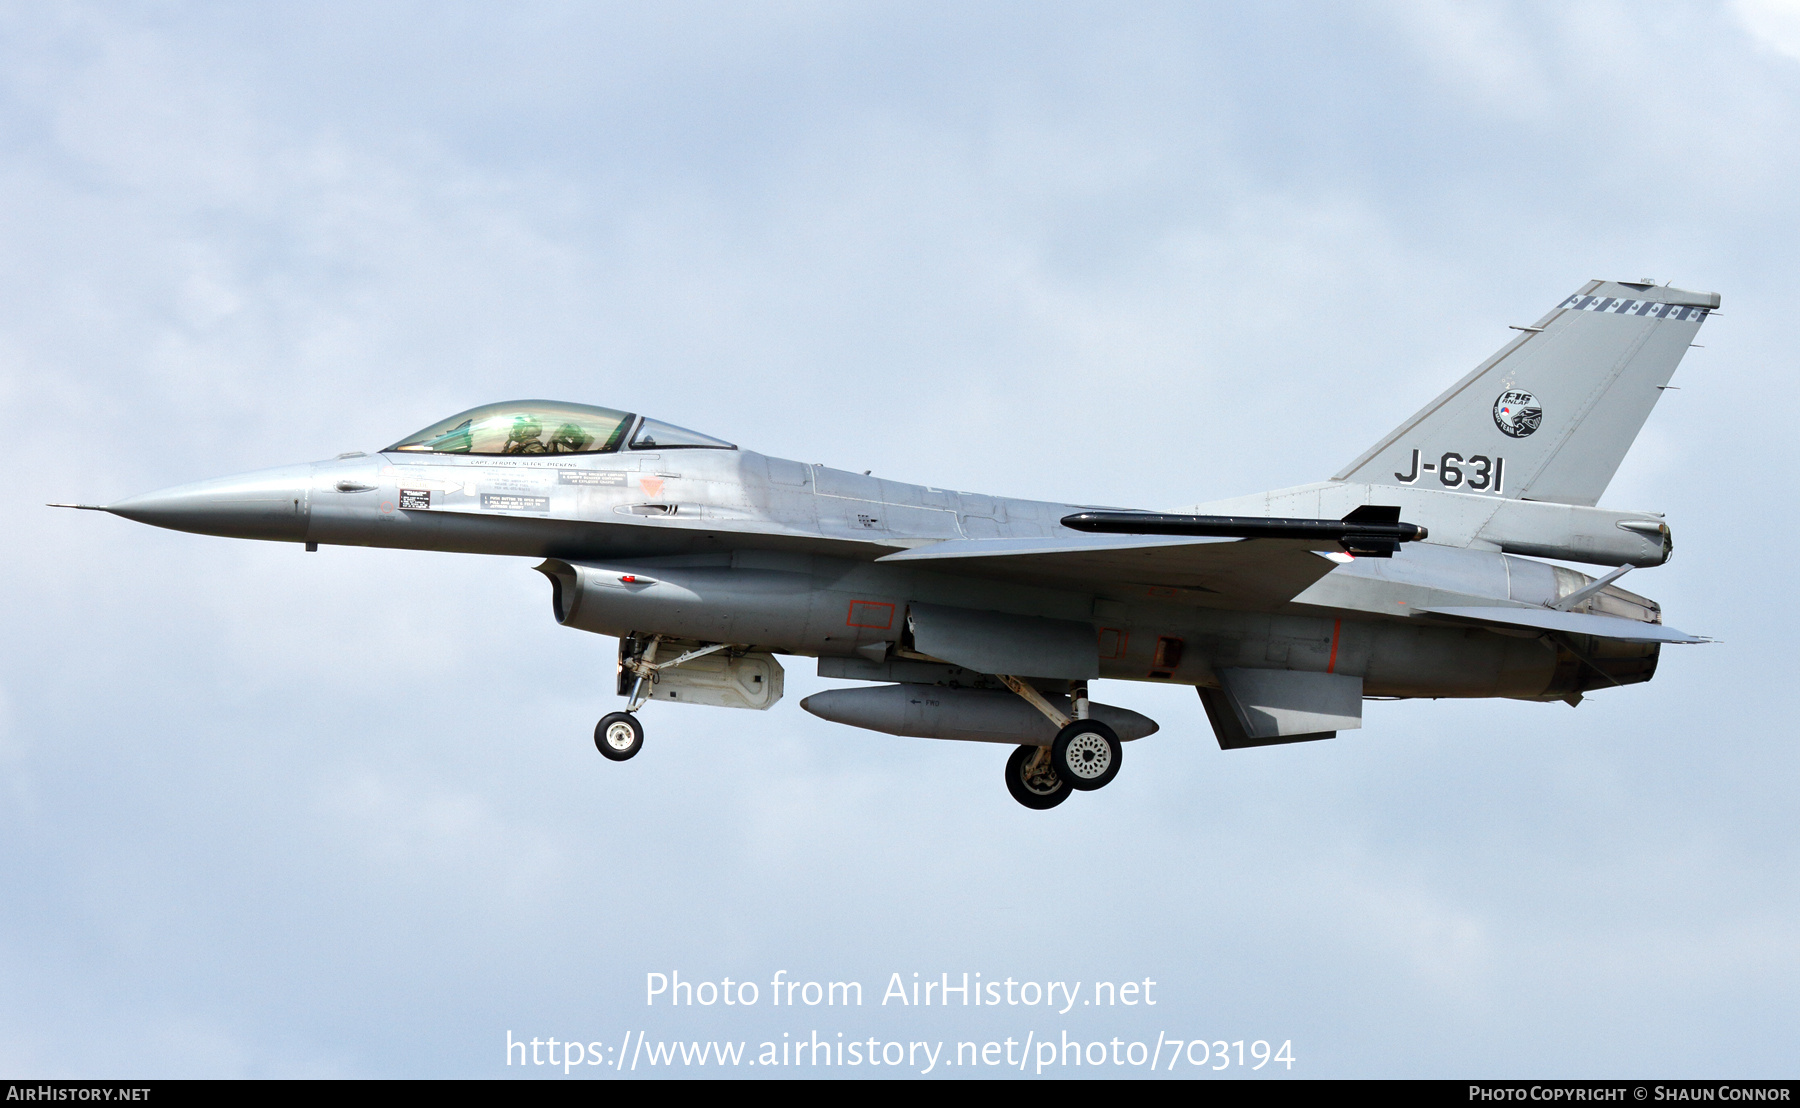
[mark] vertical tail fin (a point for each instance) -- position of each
(1551, 415)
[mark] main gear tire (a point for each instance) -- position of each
(619, 736)
(1042, 790)
(1086, 754)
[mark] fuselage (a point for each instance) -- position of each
(734, 546)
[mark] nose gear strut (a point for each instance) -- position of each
(620, 735)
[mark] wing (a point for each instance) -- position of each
(1569, 623)
(1218, 572)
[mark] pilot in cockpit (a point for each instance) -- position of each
(569, 439)
(523, 438)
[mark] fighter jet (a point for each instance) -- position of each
(1416, 571)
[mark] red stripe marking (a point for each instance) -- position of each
(1331, 666)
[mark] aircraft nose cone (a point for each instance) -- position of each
(268, 504)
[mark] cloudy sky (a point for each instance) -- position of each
(272, 814)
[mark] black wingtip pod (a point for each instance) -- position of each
(1373, 530)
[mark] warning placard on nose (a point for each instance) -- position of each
(509, 502)
(590, 477)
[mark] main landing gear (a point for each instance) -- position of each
(1032, 781)
(1083, 757)
(1086, 754)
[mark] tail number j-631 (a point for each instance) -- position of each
(1478, 471)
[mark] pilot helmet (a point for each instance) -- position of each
(569, 439)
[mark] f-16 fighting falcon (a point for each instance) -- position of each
(1414, 572)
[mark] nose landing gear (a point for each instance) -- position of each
(619, 735)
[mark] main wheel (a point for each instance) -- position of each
(1086, 754)
(619, 736)
(1041, 789)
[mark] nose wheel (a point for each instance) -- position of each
(619, 736)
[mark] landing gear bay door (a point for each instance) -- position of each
(720, 679)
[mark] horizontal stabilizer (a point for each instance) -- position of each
(1570, 623)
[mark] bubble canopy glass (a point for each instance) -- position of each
(545, 427)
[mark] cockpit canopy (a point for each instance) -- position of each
(550, 427)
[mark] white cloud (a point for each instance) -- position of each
(1775, 23)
